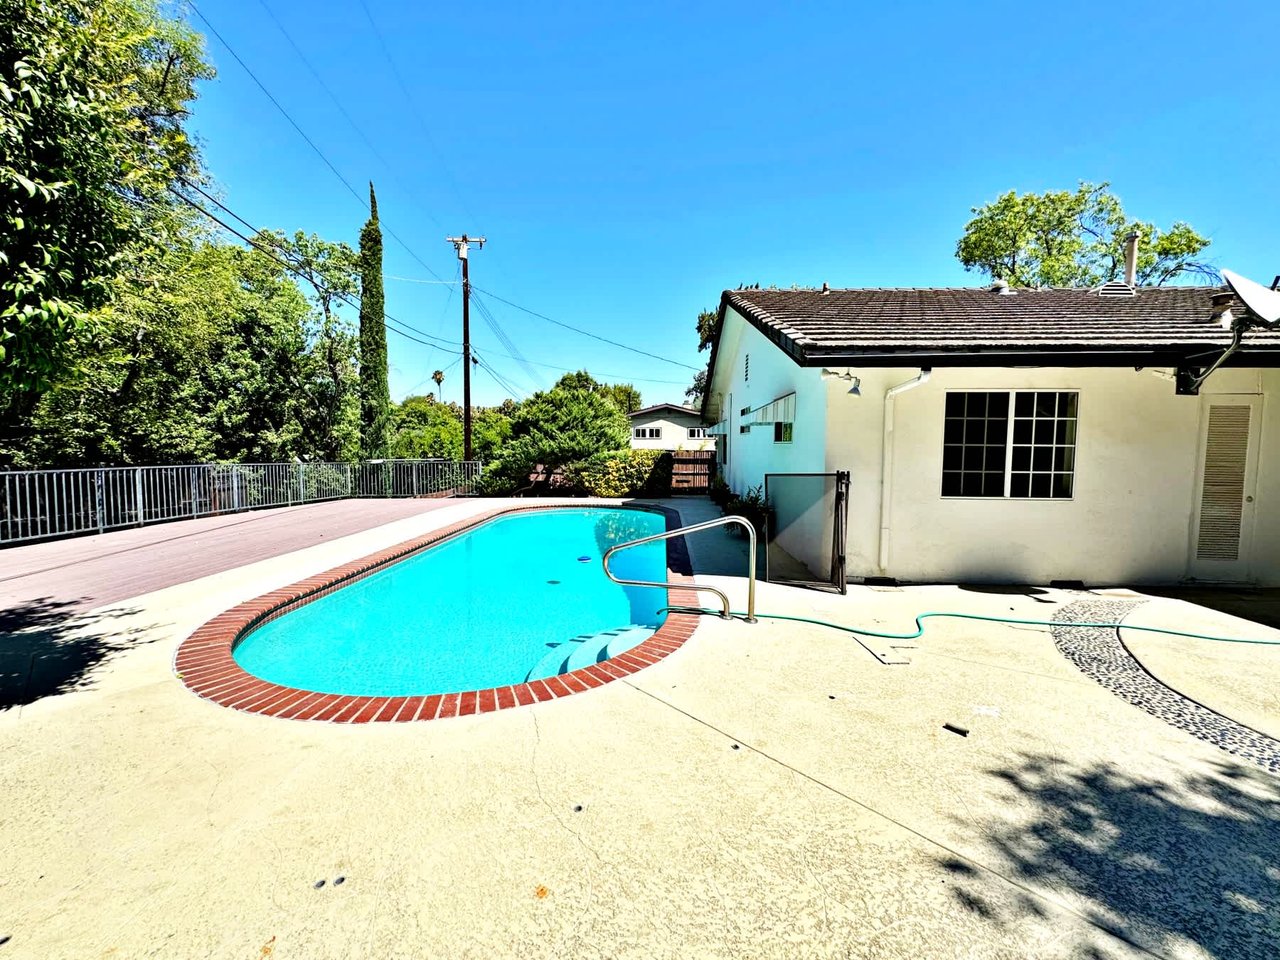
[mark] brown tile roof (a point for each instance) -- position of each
(1157, 326)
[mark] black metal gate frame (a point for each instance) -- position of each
(839, 531)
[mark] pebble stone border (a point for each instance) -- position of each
(204, 661)
(1101, 654)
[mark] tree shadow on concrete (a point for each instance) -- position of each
(1195, 859)
(49, 647)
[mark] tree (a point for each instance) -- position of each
(579, 380)
(93, 102)
(1062, 238)
(424, 428)
(438, 377)
(490, 431)
(207, 360)
(560, 426)
(706, 324)
(375, 396)
(626, 396)
(331, 415)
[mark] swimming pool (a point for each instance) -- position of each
(508, 608)
(490, 607)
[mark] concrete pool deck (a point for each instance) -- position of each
(766, 790)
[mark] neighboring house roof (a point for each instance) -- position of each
(665, 406)
(1157, 326)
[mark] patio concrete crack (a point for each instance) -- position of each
(978, 865)
(537, 785)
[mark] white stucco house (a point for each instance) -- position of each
(668, 426)
(1022, 435)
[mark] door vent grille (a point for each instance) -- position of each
(1222, 498)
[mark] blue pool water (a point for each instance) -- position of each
(480, 610)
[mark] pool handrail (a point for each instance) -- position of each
(694, 528)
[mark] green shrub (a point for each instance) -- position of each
(751, 506)
(718, 492)
(556, 428)
(622, 473)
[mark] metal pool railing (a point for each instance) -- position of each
(48, 504)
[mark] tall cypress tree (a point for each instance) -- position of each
(375, 396)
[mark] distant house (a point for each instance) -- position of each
(667, 426)
(1018, 435)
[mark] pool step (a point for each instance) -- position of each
(601, 646)
(582, 651)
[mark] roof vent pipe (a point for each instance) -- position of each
(825, 289)
(1002, 287)
(1131, 259)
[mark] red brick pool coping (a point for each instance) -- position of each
(205, 664)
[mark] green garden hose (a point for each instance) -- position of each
(919, 631)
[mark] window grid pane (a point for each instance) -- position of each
(975, 437)
(1042, 463)
(1034, 456)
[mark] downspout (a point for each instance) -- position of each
(886, 459)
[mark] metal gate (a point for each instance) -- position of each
(805, 528)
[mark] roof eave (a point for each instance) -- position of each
(1165, 356)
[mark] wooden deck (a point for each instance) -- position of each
(87, 572)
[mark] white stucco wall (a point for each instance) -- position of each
(1132, 515)
(675, 431)
(751, 455)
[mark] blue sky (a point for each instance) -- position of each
(627, 162)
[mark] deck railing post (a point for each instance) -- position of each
(139, 507)
(98, 504)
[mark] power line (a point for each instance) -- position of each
(258, 230)
(302, 133)
(413, 107)
(343, 110)
(585, 333)
(616, 377)
(507, 342)
(499, 379)
(291, 267)
(261, 86)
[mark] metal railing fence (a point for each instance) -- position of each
(48, 504)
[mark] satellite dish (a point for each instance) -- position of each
(1261, 301)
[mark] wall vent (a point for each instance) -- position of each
(746, 368)
(1116, 288)
(1226, 455)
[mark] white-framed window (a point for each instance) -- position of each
(647, 433)
(781, 432)
(1018, 444)
(697, 433)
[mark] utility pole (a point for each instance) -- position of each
(461, 244)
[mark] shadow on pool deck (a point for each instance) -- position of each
(47, 648)
(1195, 859)
(1261, 604)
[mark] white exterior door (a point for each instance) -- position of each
(1222, 531)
